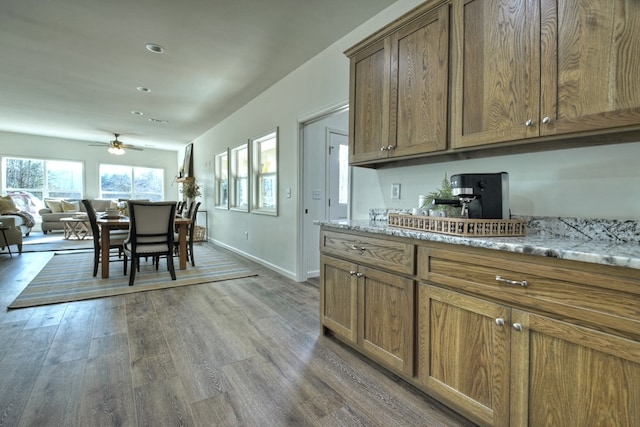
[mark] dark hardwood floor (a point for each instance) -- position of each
(244, 352)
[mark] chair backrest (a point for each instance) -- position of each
(192, 226)
(93, 221)
(189, 207)
(179, 207)
(151, 224)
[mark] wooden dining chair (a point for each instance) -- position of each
(116, 238)
(151, 226)
(191, 232)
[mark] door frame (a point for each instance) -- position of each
(340, 107)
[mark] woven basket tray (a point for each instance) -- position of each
(459, 226)
(198, 235)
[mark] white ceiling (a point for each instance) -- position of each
(70, 68)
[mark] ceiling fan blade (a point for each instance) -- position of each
(132, 147)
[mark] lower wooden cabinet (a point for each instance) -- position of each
(507, 367)
(568, 375)
(505, 339)
(371, 309)
(463, 346)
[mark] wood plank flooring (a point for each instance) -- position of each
(244, 352)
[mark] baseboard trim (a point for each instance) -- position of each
(260, 261)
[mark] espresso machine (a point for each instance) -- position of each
(481, 195)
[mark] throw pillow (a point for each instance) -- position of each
(70, 206)
(54, 205)
(7, 205)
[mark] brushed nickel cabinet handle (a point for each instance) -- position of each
(500, 321)
(361, 248)
(517, 327)
(359, 275)
(383, 148)
(546, 120)
(522, 283)
(353, 273)
(390, 147)
(528, 123)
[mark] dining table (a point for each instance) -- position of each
(122, 222)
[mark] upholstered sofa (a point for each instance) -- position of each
(13, 234)
(8, 209)
(64, 208)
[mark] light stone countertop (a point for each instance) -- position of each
(615, 252)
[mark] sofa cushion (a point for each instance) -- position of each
(70, 206)
(54, 205)
(7, 205)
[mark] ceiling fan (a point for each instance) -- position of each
(117, 147)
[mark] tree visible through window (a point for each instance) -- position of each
(30, 181)
(129, 182)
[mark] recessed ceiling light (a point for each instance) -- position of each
(151, 119)
(143, 89)
(155, 48)
(138, 113)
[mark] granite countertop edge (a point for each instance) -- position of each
(593, 251)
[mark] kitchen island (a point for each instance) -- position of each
(507, 330)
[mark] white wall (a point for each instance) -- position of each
(595, 182)
(40, 147)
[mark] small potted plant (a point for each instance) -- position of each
(191, 190)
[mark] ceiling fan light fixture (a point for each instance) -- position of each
(155, 48)
(118, 151)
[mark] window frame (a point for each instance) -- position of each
(45, 192)
(238, 174)
(259, 174)
(220, 169)
(133, 194)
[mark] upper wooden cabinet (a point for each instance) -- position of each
(399, 88)
(534, 68)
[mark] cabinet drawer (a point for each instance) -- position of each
(601, 296)
(381, 253)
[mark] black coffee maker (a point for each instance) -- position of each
(482, 195)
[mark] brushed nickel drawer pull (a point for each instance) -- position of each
(359, 275)
(522, 283)
(353, 273)
(517, 327)
(500, 321)
(355, 248)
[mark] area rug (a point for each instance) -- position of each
(38, 242)
(68, 277)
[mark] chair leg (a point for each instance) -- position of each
(193, 259)
(172, 270)
(96, 259)
(134, 261)
(126, 259)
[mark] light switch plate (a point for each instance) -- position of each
(395, 191)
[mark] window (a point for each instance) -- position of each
(128, 182)
(222, 180)
(265, 173)
(239, 175)
(30, 181)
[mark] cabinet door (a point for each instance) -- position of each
(386, 322)
(419, 85)
(369, 103)
(338, 296)
(496, 71)
(463, 352)
(590, 60)
(567, 375)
